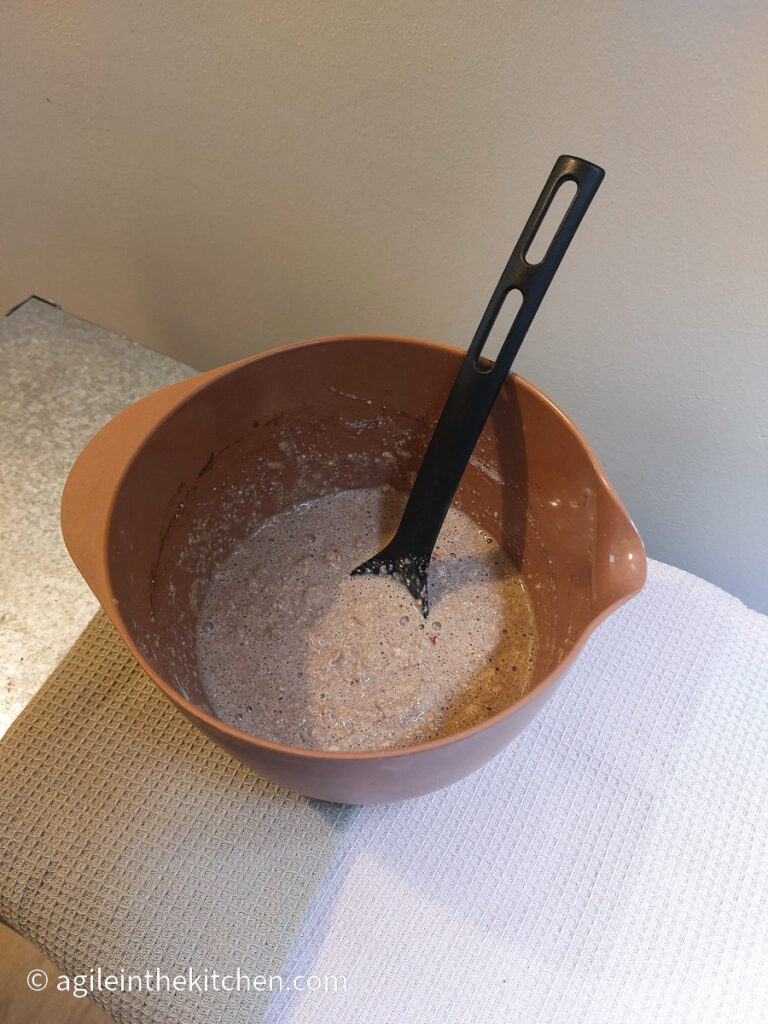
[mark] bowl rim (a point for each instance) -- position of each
(309, 754)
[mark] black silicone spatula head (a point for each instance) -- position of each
(474, 391)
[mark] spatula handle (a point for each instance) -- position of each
(532, 280)
(475, 389)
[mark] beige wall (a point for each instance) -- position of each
(217, 179)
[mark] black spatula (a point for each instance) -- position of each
(474, 391)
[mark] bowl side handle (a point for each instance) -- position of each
(94, 479)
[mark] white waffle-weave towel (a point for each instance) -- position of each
(610, 866)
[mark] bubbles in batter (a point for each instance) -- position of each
(294, 649)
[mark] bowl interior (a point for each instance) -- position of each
(319, 417)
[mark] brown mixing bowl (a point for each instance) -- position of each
(175, 481)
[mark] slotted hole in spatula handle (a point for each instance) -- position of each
(502, 324)
(554, 215)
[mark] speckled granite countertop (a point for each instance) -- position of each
(61, 380)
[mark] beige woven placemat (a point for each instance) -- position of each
(130, 842)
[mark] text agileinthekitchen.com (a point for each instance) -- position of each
(98, 980)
